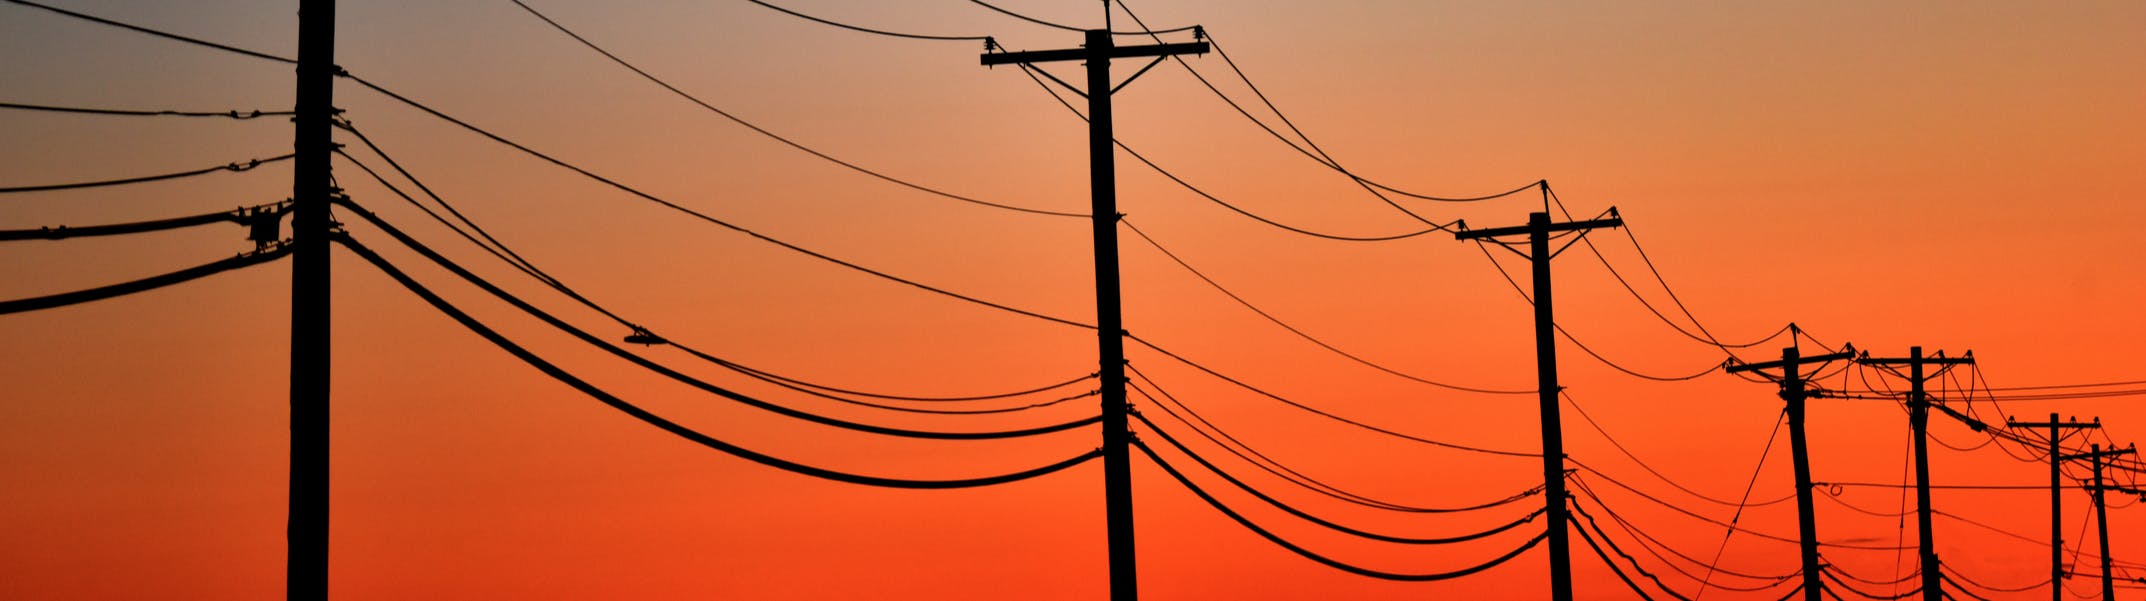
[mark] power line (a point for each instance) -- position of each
(1583, 346)
(1321, 413)
(242, 260)
(501, 251)
(234, 167)
(240, 215)
(644, 363)
(1309, 554)
(1300, 333)
(159, 33)
(1065, 27)
(675, 428)
(772, 135)
(1657, 473)
(231, 114)
(858, 28)
(703, 216)
(1322, 522)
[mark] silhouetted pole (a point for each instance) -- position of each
(2056, 496)
(1919, 420)
(1793, 392)
(1109, 320)
(1539, 254)
(306, 534)
(2101, 513)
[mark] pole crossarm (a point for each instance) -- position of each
(1081, 54)
(1514, 230)
(2097, 454)
(1746, 367)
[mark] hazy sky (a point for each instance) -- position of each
(1956, 175)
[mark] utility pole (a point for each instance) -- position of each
(1109, 320)
(306, 534)
(2056, 497)
(1919, 420)
(1794, 392)
(2101, 513)
(1539, 254)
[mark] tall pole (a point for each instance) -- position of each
(306, 534)
(1793, 392)
(1919, 420)
(2056, 496)
(1539, 254)
(1109, 320)
(2101, 520)
(1110, 324)
(1546, 389)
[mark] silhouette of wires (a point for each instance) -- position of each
(1064, 27)
(1319, 412)
(1300, 333)
(1581, 482)
(1649, 543)
(239, 215)
(675, 428)
(158, 33)
(636, 192)
(858, 28)
(232, 167)
(230, 114)
(1560, 328)
(675, 375)
(53, 301)
(498, 249)
(1162, 399)
(1702, 336)
(1575, 404)
(1314, 556)
(772, 135)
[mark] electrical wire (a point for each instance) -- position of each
(1619, 570)
(1951, 571)
(704, 386)
(897, 34)
(1657, 473)
(1318, 412)
(53, 301)
(772, 135)
(158, 33)
(1216, 435)
(675, 428)
(62, 232)
(243, 166)
(231, 114)
(498, 249)
(1688, 513)
(1064, 27)
(1649, 543)
(704, 216)
(1300, 333)
(1322, 522)
(1322, 559)
(1560, 328)
(1830, 574)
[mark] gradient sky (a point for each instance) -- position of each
(1956, 175)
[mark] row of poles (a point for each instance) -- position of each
(313, 188)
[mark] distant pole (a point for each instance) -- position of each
(2101, 512)
(1539, 254)
(1795, 394)
(2056, 497)
(306, 534)
(1919, 421)
(1109, 320)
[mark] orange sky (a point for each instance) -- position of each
(1952, 175)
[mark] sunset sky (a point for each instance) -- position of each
(1962, 176)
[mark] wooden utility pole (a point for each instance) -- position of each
(1538, 231)
(2056, 496)
(1794, 393)
(2101, 512)
(306, 534)
(1919, 420)
(1109, 320)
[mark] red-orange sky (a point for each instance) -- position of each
(1956, 175)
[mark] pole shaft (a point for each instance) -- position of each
(1806, 515)
(1919, 419)
(2101, 517)
(306, 534)
(2056, 515)
(1110, 326)
(1553, 440)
